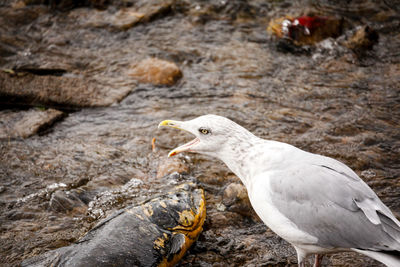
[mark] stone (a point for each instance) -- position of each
(236, 200)
(156, 71)
(218, 220)
(65, 201)
(107, 181)
(152, 8)
(364, 38)
(234, 192)
(171, 165)
(123, 18)
(26, 123)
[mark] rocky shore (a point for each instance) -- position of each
(84, 84)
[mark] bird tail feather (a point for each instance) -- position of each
(391, 226)
(389, 258)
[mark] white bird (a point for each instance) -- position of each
(316, 203)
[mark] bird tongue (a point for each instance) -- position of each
(185, 147)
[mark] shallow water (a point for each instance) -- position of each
(326, 101)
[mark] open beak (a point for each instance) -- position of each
(179, 125)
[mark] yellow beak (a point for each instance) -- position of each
(171, 123)
(177, 125)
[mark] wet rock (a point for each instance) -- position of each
(107, 181)
(53, 90)
(234, 192)
(219, 220)
(345, 129)
(156, 71)
(20, 215)
(363, 39)
(235, 10)
(67, 4)
(170, 165)
(288, 46)
(26, 123)
(236, 199)
(368, 174)
(153, 8)
(65, 201)
(44, 193)
(157, 232)
(125, 17)
(105, 200)
(19, 16)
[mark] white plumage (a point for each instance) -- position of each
(316, 203)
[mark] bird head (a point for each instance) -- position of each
(211, 134)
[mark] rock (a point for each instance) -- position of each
(156, 233)
(236, 199)
(68, 4)
(153, 8)
(171, 165)
(107, 181)
(51, 89)
(156, 71)
(19, 15)
(363, 39)
(12, 41)
(234, 192)
(105, 200)
(124, 18)
(218, 220)
(65, 201)
(26, 123)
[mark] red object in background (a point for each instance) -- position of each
(311, 22)
(305, 30)
(305, 25)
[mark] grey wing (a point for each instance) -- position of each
(328, 200)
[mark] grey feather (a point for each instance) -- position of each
(390, 259)
(346, 212)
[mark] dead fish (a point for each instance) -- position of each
(155, 233)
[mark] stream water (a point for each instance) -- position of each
(327, 100)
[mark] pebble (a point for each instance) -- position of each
(171, 165)
(156, 71)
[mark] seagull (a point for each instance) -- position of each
(316, 203)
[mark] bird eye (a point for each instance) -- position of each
(204, 131)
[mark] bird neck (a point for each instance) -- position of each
(236, 154)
